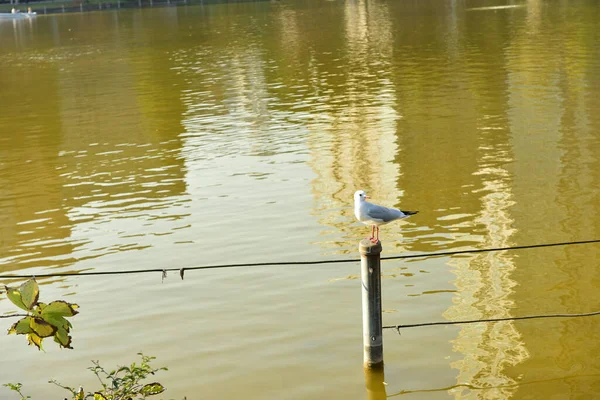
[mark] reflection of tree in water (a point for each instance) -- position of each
(90, 153)
(33, 220)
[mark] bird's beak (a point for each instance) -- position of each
(367, 197)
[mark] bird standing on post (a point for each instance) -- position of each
(374, 215)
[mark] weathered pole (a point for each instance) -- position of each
(370, 272)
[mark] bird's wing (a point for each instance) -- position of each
(383, 213)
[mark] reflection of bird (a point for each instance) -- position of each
(374, 215)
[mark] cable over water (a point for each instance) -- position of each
(288, 263)
(474, 321)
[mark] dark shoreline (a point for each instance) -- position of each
(52, 8)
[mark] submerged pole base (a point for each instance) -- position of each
(375, 384)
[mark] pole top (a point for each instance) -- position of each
(367, 248)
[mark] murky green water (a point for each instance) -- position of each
(236, 133)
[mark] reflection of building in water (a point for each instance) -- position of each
(541, 172)
(484, 285)
(362, 116)
(486, 282)
(534, 14)
(437, 133)
(552, 96)
(227, 104)
(459, 107)
(290, 35)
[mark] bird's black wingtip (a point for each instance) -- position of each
(410, 212)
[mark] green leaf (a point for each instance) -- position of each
(34, 339)
(15, 297)
(21, 327)
(42, 328)
(152, 389)
(99, 396)
(55, 312)
(13, 386)
(30, 293)
(61, 307)
(63, 338)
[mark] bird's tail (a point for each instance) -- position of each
(409, 212)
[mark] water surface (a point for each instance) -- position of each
(232, 133)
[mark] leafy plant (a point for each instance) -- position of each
(42, 320)
(17, 388)
(49, 320)
(123, 383)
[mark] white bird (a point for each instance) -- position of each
(374, 215)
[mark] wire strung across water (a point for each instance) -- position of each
(286, 263)
(474, 321)
(406, 256)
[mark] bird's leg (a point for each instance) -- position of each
(372, 233)
(375, 239)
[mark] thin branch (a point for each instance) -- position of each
(14, 315)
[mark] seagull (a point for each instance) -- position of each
(374, 215)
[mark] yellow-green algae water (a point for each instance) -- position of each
(235, 133)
